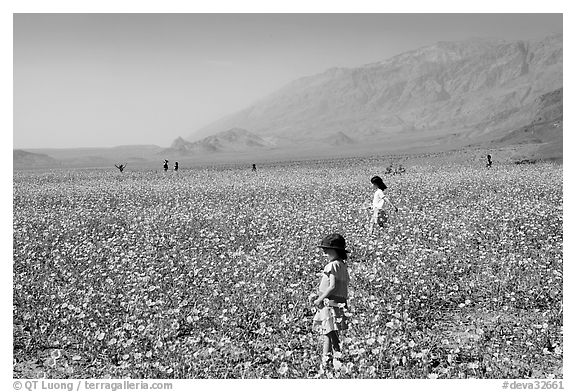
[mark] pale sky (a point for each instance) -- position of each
(102, 80)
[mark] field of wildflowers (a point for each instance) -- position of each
(206, 273)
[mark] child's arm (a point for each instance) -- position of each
(391, 205)
(312, 297)
(328, 291)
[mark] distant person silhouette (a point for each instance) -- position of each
(253, 167)
(121, 167)
(489, 157)
(175, 166)
(165, 165)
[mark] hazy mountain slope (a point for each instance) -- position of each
(544, 132)
(118, 153)
(476, 86)
(546, 124)
(22, 159)
(95, 156)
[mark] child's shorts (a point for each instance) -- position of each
(330, 318)
(380, 218)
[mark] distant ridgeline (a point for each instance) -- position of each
(479, 92)
(476, 89)
(27, 159)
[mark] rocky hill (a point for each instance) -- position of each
(232, 140)
(339, 139)
(474, 89)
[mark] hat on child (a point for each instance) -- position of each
(334, 241)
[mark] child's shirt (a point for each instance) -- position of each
(378, 201)
(339, 269)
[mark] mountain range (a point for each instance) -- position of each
(477, 92)
(477, 89)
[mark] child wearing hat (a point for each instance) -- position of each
(331, 298)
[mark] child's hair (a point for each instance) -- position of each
(378, 182)
(342, 254)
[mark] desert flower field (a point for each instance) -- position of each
(205, 273)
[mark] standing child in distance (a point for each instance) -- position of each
(379, 216)
(331, 298)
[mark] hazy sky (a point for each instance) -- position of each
(101, 80)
